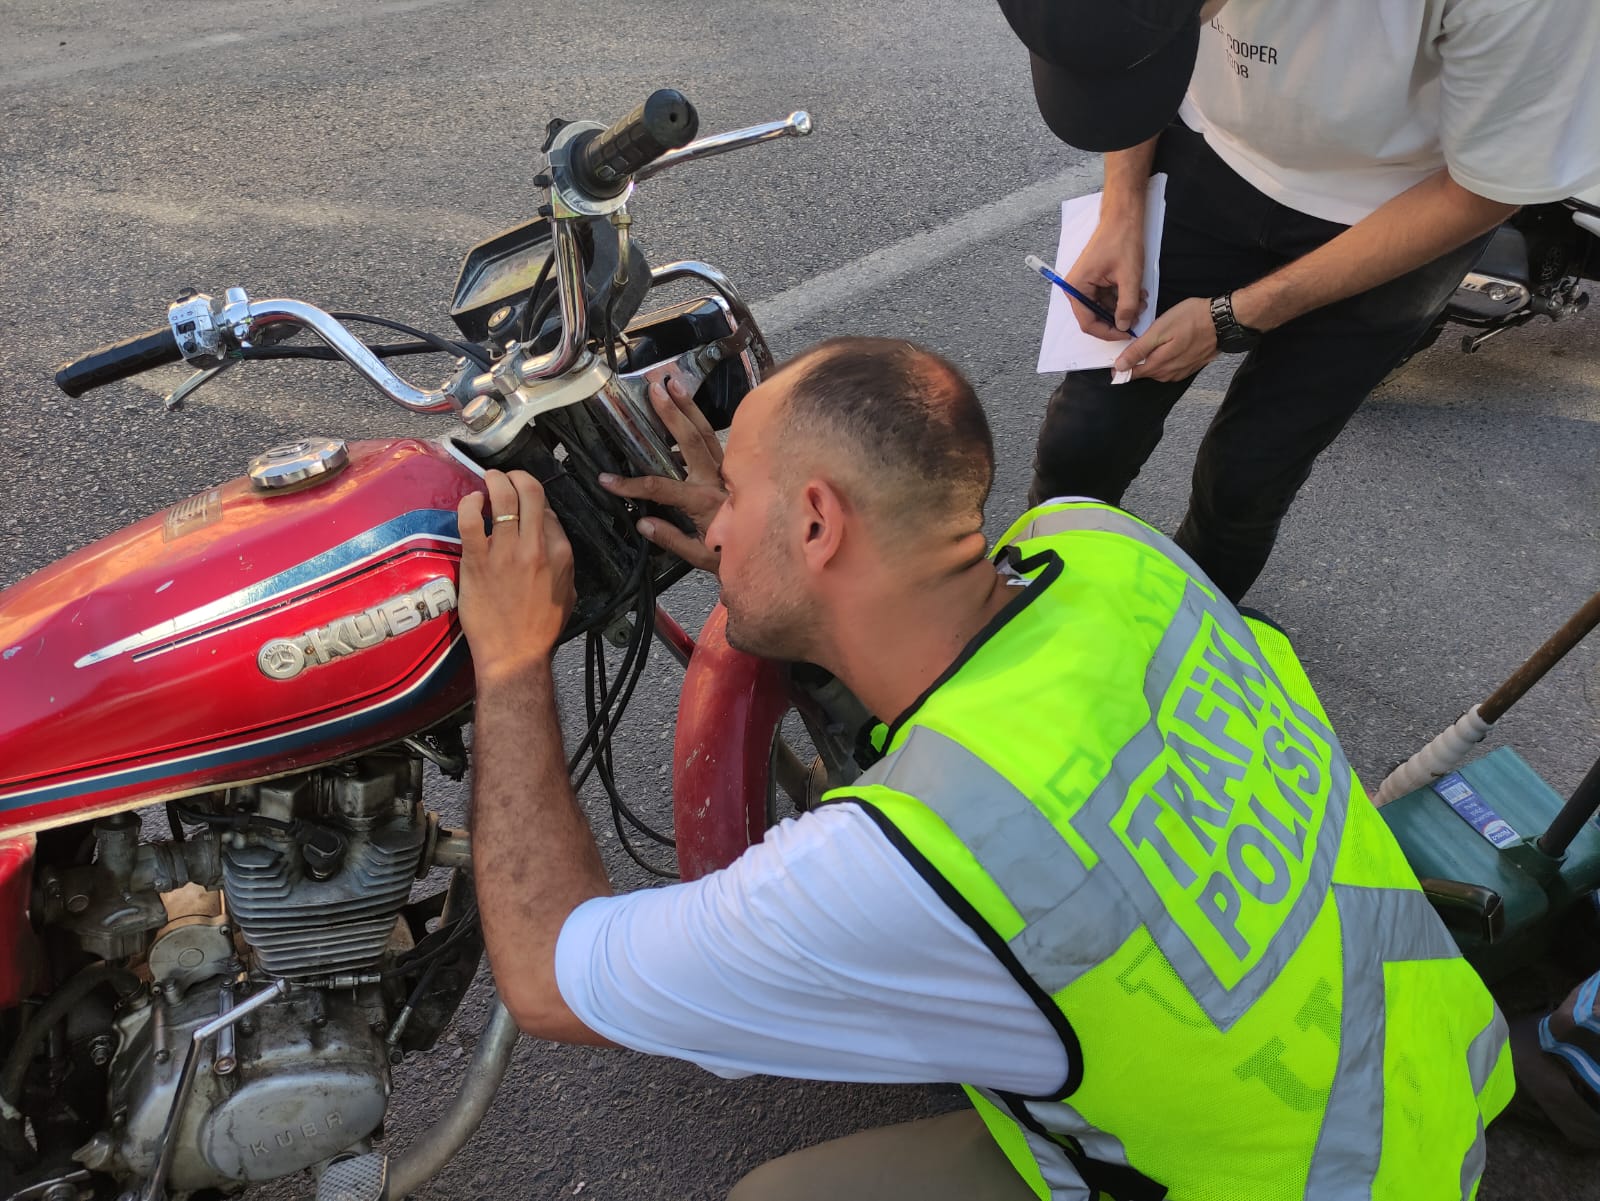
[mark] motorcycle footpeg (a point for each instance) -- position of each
(361, 1178)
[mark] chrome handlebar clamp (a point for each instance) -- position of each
(568, 198)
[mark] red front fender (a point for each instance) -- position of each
(728, 715)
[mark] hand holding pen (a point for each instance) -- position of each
(1088, 303)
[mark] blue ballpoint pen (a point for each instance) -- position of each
(1037, 264)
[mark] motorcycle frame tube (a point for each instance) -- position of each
(674, 637)
(728, 715)
(20, 963)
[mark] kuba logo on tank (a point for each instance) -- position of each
(286, 658)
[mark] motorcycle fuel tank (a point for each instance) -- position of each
(243, 633)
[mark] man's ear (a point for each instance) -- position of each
(823, 511)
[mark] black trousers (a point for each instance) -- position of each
(1290, 396)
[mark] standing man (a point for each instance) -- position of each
(1113, 870)
(1333, 172)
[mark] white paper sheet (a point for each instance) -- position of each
(1065, 346)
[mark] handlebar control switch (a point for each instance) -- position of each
(197, 330)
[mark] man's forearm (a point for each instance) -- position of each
(534, 857)
(1416, 227)
(1127, 179)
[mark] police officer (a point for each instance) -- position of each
(1112, 870)
(1333, 172)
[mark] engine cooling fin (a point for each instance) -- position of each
(301, 927)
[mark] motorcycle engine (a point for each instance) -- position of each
(305, 1078)
(312, 872)
(320, 898)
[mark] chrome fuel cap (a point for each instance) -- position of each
(296, 462)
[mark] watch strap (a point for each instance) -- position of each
(1232, 336)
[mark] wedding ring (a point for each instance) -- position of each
(505, 517)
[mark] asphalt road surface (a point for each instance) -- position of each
(348, 153)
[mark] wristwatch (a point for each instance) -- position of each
(1232, 337)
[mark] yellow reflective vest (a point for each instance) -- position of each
(1132, 795)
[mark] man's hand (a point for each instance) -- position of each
(700, 495)
(1178, 343)
(1110, 270)
(516, 581)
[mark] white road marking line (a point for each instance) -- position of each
(826, 292)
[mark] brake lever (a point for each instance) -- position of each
(174, 400)
(795, 125)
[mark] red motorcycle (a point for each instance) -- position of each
(275, 660)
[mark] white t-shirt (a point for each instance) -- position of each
(1333, 107)
(820, 954)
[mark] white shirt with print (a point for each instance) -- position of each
(1333, 107)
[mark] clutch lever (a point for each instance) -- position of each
(174, 400)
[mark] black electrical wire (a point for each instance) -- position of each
(643, 625)
(14, 1069)
(607, 699)
(459, 929)
(635, 582)
(610, 330)
(602, 761)
(383, 350)
(604, 714)
(528, 326)
(620, 813)
(605, 702)
(536, 319)
(442, 345)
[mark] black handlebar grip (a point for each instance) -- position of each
(602, 162)
(118, 361)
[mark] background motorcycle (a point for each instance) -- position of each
(275, 659)
(1535, 265)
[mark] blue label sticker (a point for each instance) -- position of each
(1475, 811)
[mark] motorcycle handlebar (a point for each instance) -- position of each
(604, 162)
(155, 348)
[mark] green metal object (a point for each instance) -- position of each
(1470, 837)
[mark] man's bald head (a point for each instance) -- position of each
(897, 425)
